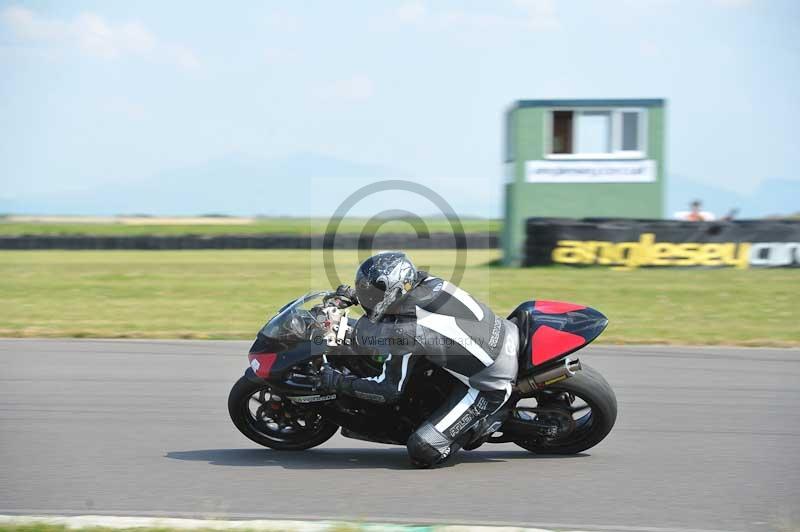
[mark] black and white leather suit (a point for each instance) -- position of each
(439, 321)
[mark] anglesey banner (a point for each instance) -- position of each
(663, 243)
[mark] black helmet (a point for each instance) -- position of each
(382, 280)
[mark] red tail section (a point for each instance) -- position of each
(555, 307)
(548, 343)
(553, 329)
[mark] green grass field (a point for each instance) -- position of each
(289, 226)
(228, 294)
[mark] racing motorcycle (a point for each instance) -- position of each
(558, 405)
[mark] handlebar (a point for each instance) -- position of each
(338, 301)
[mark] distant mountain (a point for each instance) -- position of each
(777, 197)
(235, 185)
(772, 197)
(299, 185)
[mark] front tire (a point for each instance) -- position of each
(590, 428)
(276, 424)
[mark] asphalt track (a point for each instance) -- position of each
(707, 439)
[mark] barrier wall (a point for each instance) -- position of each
(343, 241)
(662, 243)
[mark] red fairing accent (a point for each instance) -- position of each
(262, 363)
(548, 343)
(555, 307)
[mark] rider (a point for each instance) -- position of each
(412, 314)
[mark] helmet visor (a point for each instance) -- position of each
(389, 298)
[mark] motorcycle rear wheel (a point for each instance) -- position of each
(588, 429)
(269, 425)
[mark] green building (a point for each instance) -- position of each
(581, 158)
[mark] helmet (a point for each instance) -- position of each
(382, 280)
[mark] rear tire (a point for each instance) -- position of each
(591, 387)
(239, 409)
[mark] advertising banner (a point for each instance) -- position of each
(596, 171)
(663, 243)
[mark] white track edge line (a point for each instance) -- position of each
(119, 522)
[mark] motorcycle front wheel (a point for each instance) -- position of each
(273, 421)
(582, 411)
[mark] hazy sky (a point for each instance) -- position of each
(99, 93)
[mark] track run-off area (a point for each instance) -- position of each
(707, 439)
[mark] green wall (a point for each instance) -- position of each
(526, 130)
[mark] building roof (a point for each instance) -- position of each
(614, 102)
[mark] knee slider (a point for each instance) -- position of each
(427, 446)
(422, 452)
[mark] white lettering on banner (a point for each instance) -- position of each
(639, 171)
(771, 254)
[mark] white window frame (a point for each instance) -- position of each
(616, 134)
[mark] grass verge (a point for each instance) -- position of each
(229, 294)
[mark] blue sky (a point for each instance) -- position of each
(100, 96)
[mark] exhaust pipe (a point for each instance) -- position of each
(540, 380)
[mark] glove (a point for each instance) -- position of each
(328, 379)
(346, 291)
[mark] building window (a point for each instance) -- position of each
(604, 133)
(593, 132)
(630, 131)
(562, 131)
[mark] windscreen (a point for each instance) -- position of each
(298, 320)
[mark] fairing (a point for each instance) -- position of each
(282, 363)
(292, 337)
(551, 330)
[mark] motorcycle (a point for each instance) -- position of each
(558, 405)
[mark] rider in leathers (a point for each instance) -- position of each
(410, 314)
